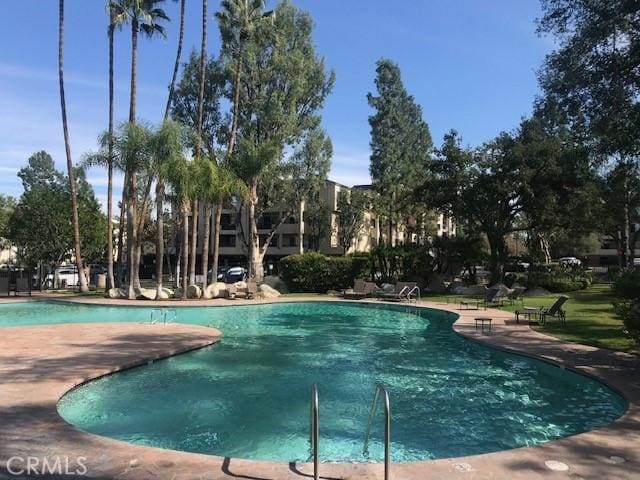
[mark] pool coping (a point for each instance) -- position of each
(608, 452)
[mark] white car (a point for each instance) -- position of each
(61, 277)
(569, 262)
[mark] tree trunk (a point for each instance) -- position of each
(159, 236)
(205, 247)
(121, 257)
(176, 65)
(110, 276)
(216, 241)
(255, 258)
(497, 249)
(203, 57)
(236, 101)
(72, 182)
(134, 73)
(194, 243)
(185, 251)
(626, 259)
(131, 193)
(121, 227)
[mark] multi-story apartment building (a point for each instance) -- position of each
(294, 234)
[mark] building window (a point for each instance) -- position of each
(289, 240)
(227, 222)
(272, 243)
(268, 220)
(227, 241)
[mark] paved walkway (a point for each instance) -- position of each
(39, 364)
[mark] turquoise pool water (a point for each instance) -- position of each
(248, 396)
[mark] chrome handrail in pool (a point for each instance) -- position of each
(387, 426)
(315, 430)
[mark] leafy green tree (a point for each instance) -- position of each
(317, 222)
(7, 206)
(238, 21)
(283, 90)
(350, 217)
(400, 145)
(594, 80)
(40, 224)
(185, 104)
(84, 287)
(619, 187)
(560, 195)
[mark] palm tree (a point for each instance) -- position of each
(176, 65)
(197, 151)
(182, 179)
(238, 20)
(72, 182)
(223, 185)
(110, 276)
(144, 16)
(168, 148)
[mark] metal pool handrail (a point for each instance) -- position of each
(387, 426)
(315, 430)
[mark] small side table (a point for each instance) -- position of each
(482, 321)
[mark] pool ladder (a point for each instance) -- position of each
(163, 316)
(315, 431)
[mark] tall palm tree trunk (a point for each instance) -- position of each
(203, 57)
(132, 231)
(110, 277)
(121, 228)
(176, 65)
(255, 258)
(216, 240)
(205, 247)
(194, 243)
(185, 251)
(159, 236)
(72, 182)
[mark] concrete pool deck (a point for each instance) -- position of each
(38, 364)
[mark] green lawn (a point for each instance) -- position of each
(590, 319)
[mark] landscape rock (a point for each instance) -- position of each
(215, 290)
(269, 292)
(147, 294)
(116, 293)
(536, 292)
(194, 291)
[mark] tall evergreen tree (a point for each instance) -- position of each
(400, 145)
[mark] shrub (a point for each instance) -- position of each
(317, 273)
(626, 286)
(557, 279)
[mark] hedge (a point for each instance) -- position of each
(317, 273)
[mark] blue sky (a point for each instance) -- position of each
(471, 65)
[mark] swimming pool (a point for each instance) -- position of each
(248, 397)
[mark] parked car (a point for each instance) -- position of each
(235, 274)
(569, 262)
(62, 277)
